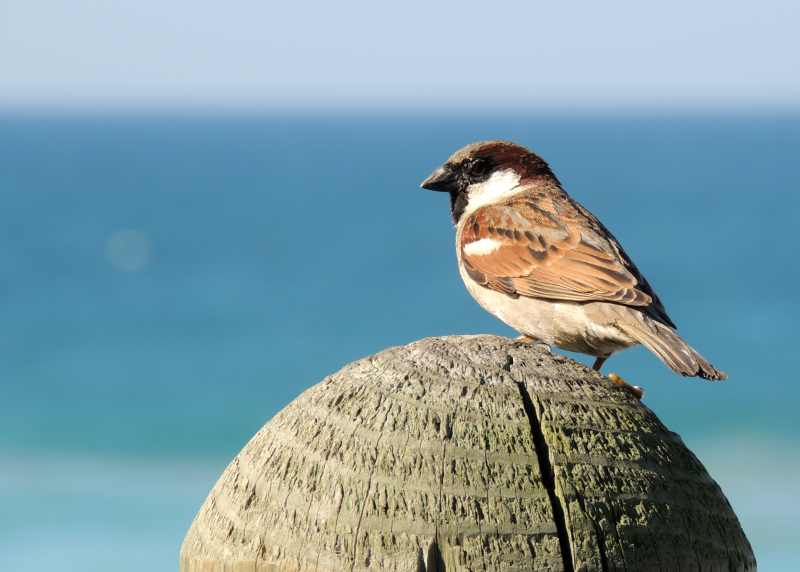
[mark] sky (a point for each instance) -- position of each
(243, 53)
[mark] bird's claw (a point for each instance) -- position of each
(528, 342)
(634, 390)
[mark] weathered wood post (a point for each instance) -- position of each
(465, 454)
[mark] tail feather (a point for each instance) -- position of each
(671, 349)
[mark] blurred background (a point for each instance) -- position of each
(207, 207)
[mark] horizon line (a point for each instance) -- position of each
(355, 109)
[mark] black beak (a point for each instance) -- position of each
(442, 179)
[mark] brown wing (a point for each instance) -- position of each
(549, 247)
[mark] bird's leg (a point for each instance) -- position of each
(528, 341)
(634, 390)
(598, 363)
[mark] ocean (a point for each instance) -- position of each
(169, 282)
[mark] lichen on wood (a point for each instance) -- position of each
(465, 453)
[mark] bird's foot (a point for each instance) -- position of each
(634, 390)
(527, 342)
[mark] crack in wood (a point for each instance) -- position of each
(548, 476)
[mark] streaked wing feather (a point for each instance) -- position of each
(545, 254)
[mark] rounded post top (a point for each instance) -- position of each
(465, 453)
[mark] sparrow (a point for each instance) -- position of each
(539, 261)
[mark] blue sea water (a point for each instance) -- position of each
(167, 283)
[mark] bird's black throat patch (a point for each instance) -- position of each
(458, 203)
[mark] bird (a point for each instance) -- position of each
(538, 260)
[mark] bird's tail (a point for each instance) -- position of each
(671, 349)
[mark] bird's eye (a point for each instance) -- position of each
(479, 167)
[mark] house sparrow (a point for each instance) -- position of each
(539, 261)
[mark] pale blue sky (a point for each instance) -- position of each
(243, 53)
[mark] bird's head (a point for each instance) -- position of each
(484, 172)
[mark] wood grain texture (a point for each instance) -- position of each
(465, 453)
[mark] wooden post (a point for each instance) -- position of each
(465, 453)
